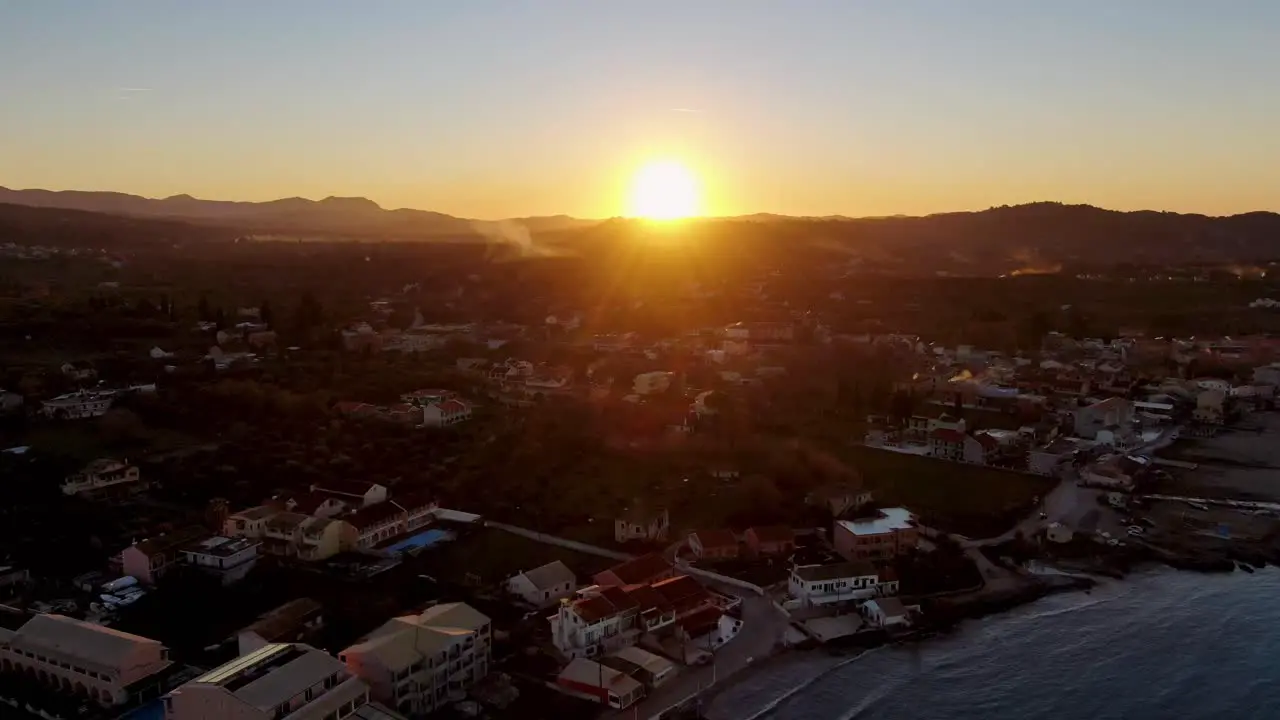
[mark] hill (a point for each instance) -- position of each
(341, 216)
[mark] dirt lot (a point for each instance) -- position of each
(1241, 462)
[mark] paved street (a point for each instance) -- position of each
(762, 629)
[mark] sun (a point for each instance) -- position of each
(664, 190)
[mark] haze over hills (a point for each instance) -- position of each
(1037, 237)
(336, 215)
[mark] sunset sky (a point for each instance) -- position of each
(497, 108)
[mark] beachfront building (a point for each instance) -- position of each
(418, 663)
(814, 585)
(593, 681)
(81, 659)
(274, 682)
(543, 586)
(890, 533)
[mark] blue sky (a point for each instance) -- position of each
(489, 108)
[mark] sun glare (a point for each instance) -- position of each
(664, 190)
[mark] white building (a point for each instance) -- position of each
(445, 413)
(228, 559)
(280, 681)
(886, 612)
(814, 585)
(418, 663)
(79, 658)
(79, 404)
(100, 475)
(543, 586)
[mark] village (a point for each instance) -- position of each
(651, 617)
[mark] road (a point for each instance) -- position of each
(762, 629)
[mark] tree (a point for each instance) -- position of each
(219, 319)
(203, 311)
(265, 314)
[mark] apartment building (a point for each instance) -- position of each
(75, 657)
(418, 663)
(890, 533)
(280, 681)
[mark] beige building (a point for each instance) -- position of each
(416, 664)
(75, 657)
(275, 682)
(291, 534)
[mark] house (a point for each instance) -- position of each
(639, 523)
(275, 681)
(815, 585)
(1210, 407)
(316, 504)
(80, 659)
(643, 570)
(605, 685)
(947, 444)
(543, 586)
(981, 448)
(291, 534)
(682, 594)
(153, 558)
(649, 669)
(714, 544)
(294, 621)
(651, 383)
(886, 612)
(840, 498)
(101, 477)
(770, 540)
(428, 396)
(1106, 473)
(355, 492)
(892, 532)
(227, 559)
(920, 427)
(1105, 414)
(78, 405)
(417, 664)
(602, 620)
(419, 509)
(377, 523)
(445, 413)
(250, 523)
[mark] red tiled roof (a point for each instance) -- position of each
(619, 597)
(401, 408)
(431, 392)
(701, 622)
(718, 538)
(449, 407)
(640, 570)
(773, 534)
(594, 609)
(646, 598)
(947, 435)
(987, 441)
(373, 515)
(682, 592)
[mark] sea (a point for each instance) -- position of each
(1158, 644)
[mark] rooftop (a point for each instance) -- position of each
(221, 546)
(68, 637)
(550, 575)
(818, 573)
(169, 542)
(589, 672)
(284, 620)
(716, 538)
(640, 570)
(889, 520)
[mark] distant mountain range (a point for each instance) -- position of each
(1036, 237)
(332, 215)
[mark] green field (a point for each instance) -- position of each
(968, 499)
